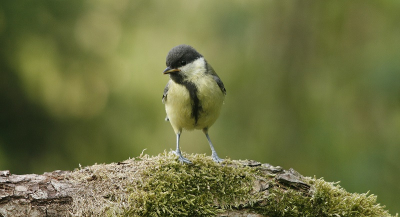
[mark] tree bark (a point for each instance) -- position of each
(49, 194)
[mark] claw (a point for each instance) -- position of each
(216, 158)
(181, 158)
(184, 160)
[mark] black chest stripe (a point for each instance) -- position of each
(196, 107)
(192, 89)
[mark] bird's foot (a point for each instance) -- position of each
(184, 160)
(181, 158)
(216, 158)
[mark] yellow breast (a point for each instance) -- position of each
(179, 105)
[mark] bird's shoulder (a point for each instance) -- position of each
(216, 78)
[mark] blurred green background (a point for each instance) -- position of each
(313, 85)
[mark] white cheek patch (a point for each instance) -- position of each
(198, 66)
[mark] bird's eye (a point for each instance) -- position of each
(183, 62)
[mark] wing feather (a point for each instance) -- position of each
(164, 96)
(216, 78)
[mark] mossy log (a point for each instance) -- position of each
(161, 186)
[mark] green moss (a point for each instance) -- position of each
(201, 189)
(332, 200)
(327, 199)
(168, 188)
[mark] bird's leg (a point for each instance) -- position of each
(178, 151)
(214, 153)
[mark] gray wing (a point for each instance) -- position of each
(164, 96)
(220, 84)
(216, 78)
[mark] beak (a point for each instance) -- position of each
(169, 70)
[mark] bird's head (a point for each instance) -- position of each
(184, 61)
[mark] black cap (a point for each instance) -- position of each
(181, 55)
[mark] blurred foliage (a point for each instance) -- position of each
(313, 85)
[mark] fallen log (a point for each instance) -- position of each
(161, 186)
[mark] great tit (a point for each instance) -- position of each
(193, 96)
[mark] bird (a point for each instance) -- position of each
(193, 96)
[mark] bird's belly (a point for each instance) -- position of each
(179, 106)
